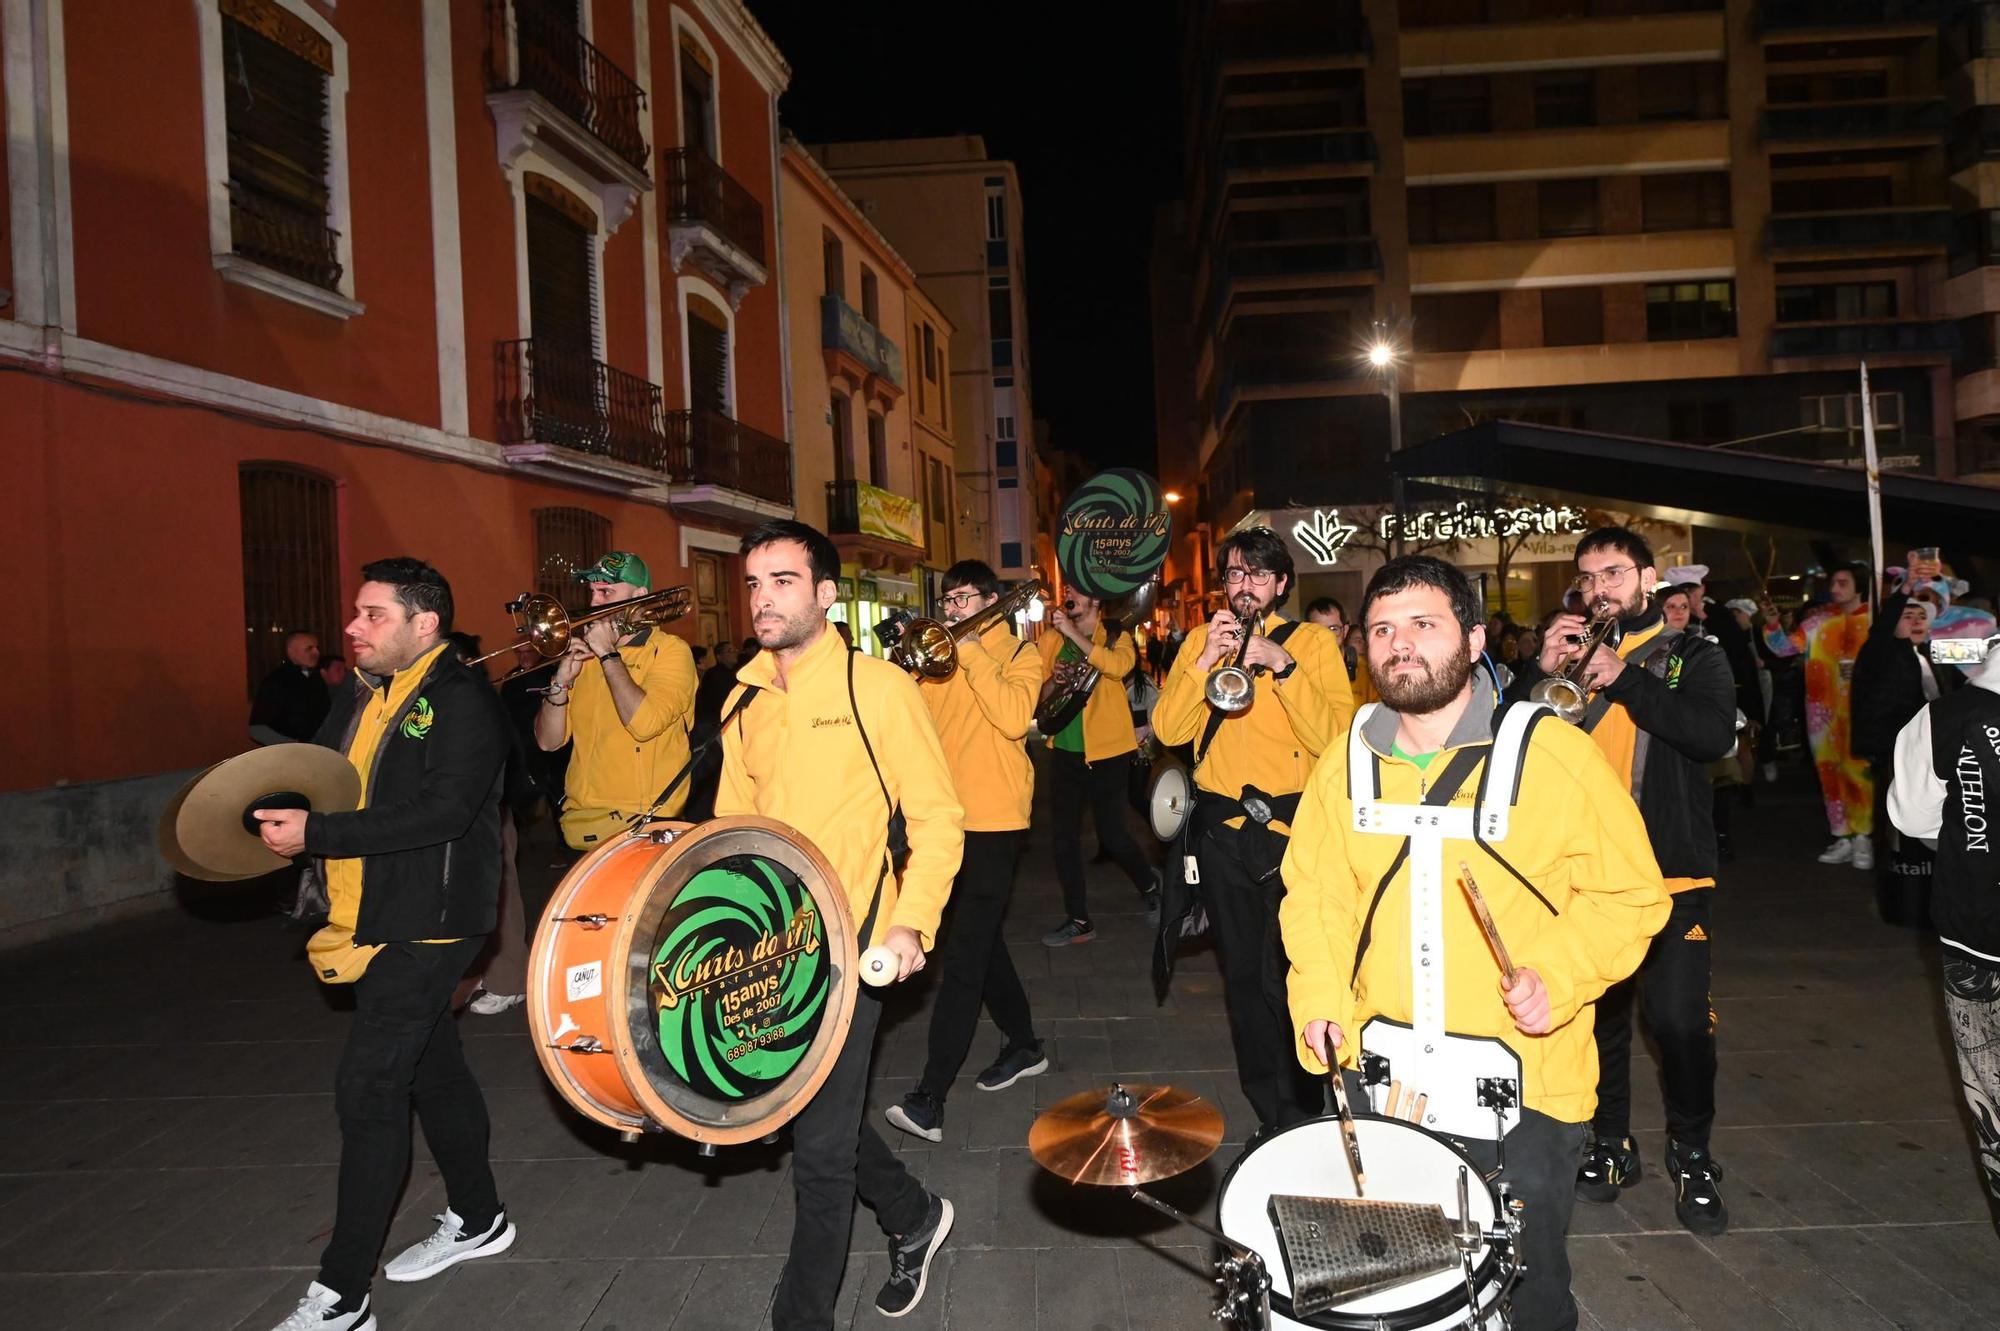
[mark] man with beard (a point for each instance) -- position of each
(982, 713)
(1250, 766)
(1663, 707)
(837, 744)
(1388, 959)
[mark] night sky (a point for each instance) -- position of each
(1086, 106)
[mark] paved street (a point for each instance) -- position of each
(167, 1144)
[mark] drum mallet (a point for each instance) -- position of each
(878, 966)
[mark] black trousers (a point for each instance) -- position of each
(1243, 914)
(1074, 783)
(403, 1050)
(1671, 989)
(1543, 1155)
(974, 965)
(837, 1155)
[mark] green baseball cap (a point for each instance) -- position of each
(619, 566)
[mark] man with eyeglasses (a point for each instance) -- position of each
(982, 713)
(1662, 707)
(1250, 766)
(1089, 758)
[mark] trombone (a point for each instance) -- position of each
(928, 648)
(543, 624)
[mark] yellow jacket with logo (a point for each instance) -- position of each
(618, 768)
(795, 754)
(1107, 717)
(1273, 743)
(982, 714)
(1575, 834)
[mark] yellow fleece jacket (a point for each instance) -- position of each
(618, 768)
(1273, 743)
(795, 754)
(1575, 834)
(1107, 717)
(982, 714)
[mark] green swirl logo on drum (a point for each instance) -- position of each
(739, 978)
(1114, 534)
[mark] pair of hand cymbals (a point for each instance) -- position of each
(207, 832)
(1125, 1135)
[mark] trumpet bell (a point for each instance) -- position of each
(1229, 688)
(1563, 696)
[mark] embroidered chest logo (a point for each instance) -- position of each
(417, 722)
(1674, 671)
(819, 722)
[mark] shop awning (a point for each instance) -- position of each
(1709, 487)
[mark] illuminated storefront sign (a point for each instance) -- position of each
(1322, 534)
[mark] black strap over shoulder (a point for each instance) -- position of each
(896, 830)
(1215, 718)
(1449, 781)
(699, 751)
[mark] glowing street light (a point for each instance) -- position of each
(1380, 355)
(1173, 496)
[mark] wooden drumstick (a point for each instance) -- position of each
(1395, 1094)
(1485, 917)
(1417, 1110)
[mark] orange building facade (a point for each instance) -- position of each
(286, 286)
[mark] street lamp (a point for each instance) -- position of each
(1173, 496)
(1385, 357)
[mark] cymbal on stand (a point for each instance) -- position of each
(1125, 1135)
(206, 831)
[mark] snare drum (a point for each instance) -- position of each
(694, 979)
(1405, 1164)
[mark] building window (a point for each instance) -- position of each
(697, 100)
(1457, 321)
(1827, 194)
(878, 450)
(562, 286)
(1565, 101)
(708, 356)
(1000, 318)
(930, 353)
(996, 229)
(1572, 316)
(1700, 422)
(1006, 453)
(291, 550)
(1568, 207)
(1003, 427)
(840, 414)
(567, 541)
(1685, 201)
(1836, 418)
(1680, 92)
(274, 81)
(1451, 214)
(871, 297)
(1683, 311)
(833, 264)
(1447, 106)
(1010, 554)
(1836, 300)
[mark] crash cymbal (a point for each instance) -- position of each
(1125, 1135)
(206, 831)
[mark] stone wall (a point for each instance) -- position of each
(74, 856)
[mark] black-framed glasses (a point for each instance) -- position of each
(958, 600)
(1256, 577)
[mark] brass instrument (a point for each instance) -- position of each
(542, 622)
(928, 648)
(1070, 683)
(1564, 691)
(1230, 687)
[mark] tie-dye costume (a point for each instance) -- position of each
(1830, 640)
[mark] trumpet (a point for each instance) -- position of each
(928, 648)
(1231, 687)
(542, 622)
(1564, 691)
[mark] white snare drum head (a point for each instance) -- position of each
(1404, 1164)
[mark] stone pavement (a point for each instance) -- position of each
(167, 1143)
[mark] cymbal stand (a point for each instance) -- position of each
(1246, 1284)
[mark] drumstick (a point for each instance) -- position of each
(1395, 1094)
(1417, 1112)
(1347, 1132)
(1486, 922)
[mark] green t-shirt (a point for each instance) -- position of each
(1422, 760)
(1070, 737)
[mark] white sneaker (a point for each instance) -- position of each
(492, 1005)
(1770, 773)
(1840, 852)
(315, 1313)
(1864, 852)
(450, 1246)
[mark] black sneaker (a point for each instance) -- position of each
(920, 1115)
(1012, 1065)
(910, 1261)
(1697, 1199)
(1070, 931)
(1609, 1167)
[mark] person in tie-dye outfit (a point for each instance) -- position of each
(1830, 637)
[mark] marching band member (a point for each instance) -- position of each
(1665, 709)
(1090, 758)
(982, 713)
(841, 746)
(1388, 958)
(1259, 756)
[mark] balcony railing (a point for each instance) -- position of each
(844, 328)
(1918, 228)
(709, 448)
(1284, 28)
(1905, 118)
(1326, 148)
(1780, 15)
(551, 57)
(1902, 338)
(560, 395)
(291, 240)
(700, 191)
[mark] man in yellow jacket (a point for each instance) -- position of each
(832, 742)
(1388, 960)
(1250, 766)
(982, 713)
(1090, 757)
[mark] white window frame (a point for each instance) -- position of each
(233, 267)
(716, 296)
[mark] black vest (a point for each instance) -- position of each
(1965, 755)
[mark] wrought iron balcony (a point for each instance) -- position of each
(707, 448)
(292, 240)
(713, 221)
(1785, 15)
(859, 351)
(531, 48)
(1923, 229)
(563, 396)
(1910, 337)
(1914, 117)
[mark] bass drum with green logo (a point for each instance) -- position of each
(694, 979)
